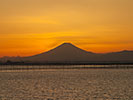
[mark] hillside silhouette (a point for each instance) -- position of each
(65, 52)
(68, 52)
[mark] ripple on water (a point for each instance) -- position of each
(100, 84)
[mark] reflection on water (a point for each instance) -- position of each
(67, 84)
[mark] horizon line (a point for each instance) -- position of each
(124, 50)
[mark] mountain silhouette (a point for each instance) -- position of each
(65, 52)
(68, 52)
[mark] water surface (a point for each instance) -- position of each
(67, 84)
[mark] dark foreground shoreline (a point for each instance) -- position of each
(31, 66)
(68, 63)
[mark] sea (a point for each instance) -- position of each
(58, 83)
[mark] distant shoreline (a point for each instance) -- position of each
(68, 63)
(65, 66)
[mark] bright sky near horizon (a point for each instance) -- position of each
(29, 27)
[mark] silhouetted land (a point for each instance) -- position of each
(66, 56)
(64, 65)
(69, 54)
(67, 63)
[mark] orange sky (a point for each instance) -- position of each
(30, 27)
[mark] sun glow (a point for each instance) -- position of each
(29, 27)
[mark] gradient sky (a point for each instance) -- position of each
(29, 27)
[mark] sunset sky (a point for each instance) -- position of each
(29, 27)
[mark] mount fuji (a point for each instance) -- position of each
(68, 52)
